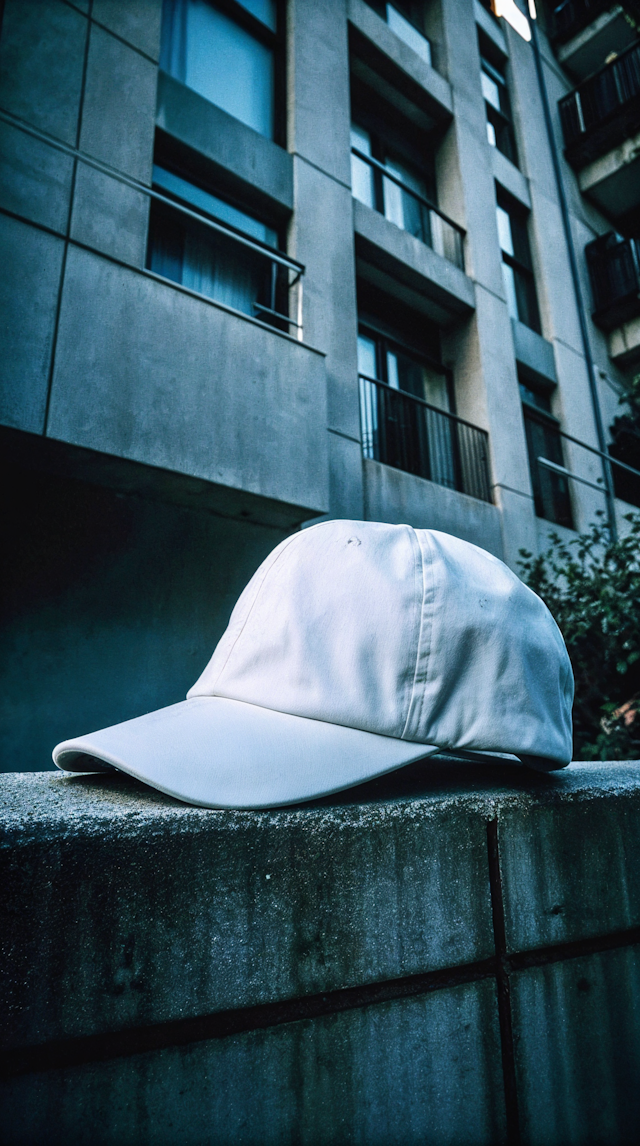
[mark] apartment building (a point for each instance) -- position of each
(267, 262)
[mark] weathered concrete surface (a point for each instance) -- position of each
(146, 910)
(331, 1080)
(122, 910)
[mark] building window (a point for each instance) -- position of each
(406, 19)
(517, 269)
(550, 488)
(231, 53)
(216, 262)
(402, 190)
(497, 105)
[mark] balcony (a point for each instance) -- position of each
(407, 433)
(585, 32)
(603, 111)
(378, 187)
(614, 270)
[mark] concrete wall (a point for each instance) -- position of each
(446, 955)
(112, 604)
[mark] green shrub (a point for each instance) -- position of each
(592, 587)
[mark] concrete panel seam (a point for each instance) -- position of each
(321, 170)
(63, 265)
(126, 43)
(340, 434)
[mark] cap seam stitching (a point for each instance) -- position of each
(427, 539)
(417, 554)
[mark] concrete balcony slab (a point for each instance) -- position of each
(187, 386)
(224, 149)
(395, 260)
(385, 62)
(402, 498)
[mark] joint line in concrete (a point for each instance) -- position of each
(503, 988)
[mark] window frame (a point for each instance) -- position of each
(384, 342)
(558, 487)
(275, 41)
(520, 262)
(501, 119)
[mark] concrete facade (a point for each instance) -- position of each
(448, 954)
(154, 404)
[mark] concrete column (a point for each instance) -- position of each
(322, 229)
(486, 379)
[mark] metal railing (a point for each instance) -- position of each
(627, 491)
(590, 114)
(614, 270)
(408, 433)
(572, 16)
(275, 258)
(424, 222)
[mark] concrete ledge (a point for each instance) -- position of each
(533, 353)
(437, 287)
(238, 158)
(191, 387)
(404, 499)
(385, 62)
(335, 972)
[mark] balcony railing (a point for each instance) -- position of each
(415, 214)
(405, 432)
(284, 274)
(602, 111)
(614, 270)
(626, 478)
(572, 16)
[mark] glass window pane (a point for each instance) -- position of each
(362, 182)
(263, 10)
(403, 209)
(408, 33)
(491, 134)
(393, 371)
(360, 139)
(367, 356)
(504, 230)
(510, 290)
(199, 198)
(490, 91)
(229, 67)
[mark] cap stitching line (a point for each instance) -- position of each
(417, 547)
(429, 545)
(253, 603)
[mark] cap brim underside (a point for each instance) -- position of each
(221, 753)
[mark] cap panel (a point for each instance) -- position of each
(498, 676)
(333, 631)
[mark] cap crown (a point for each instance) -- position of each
(409, 633)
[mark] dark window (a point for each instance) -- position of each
(371, 186)
(498, 107)
(517, 269)
(406, 19)
(550, 488)
(231, 53)
(211, 261)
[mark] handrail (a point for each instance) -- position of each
(567, 473)
(416, 195)
(422, 402)
(106, 169)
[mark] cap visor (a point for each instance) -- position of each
(221, 753)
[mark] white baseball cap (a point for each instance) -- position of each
(356, 648)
